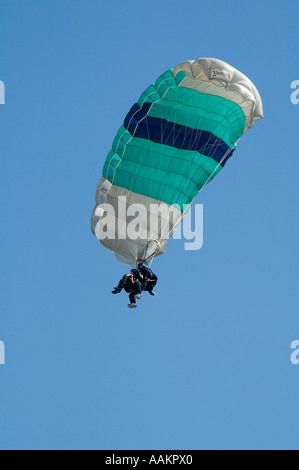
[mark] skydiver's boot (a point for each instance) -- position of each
(132, 305)
(138, 296)
(120, 286)
(116, 290)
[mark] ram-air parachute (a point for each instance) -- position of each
(174, 141)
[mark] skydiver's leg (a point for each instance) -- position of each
(138, 288)
(132, 297)
(143, 285)
(120, 286)
(150, 286)
(122, 282)
(135, 289)
(150, 290)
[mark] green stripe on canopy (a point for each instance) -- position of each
(158, 171)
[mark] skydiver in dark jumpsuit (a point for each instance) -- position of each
(147, 278)
(131, 284)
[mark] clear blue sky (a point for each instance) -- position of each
(206, 363)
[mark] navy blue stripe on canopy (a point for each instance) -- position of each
(165, 132)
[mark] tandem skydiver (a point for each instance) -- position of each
(132, 285)
(147, 278)
(139, 280)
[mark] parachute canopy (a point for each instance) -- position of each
(174, 140)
